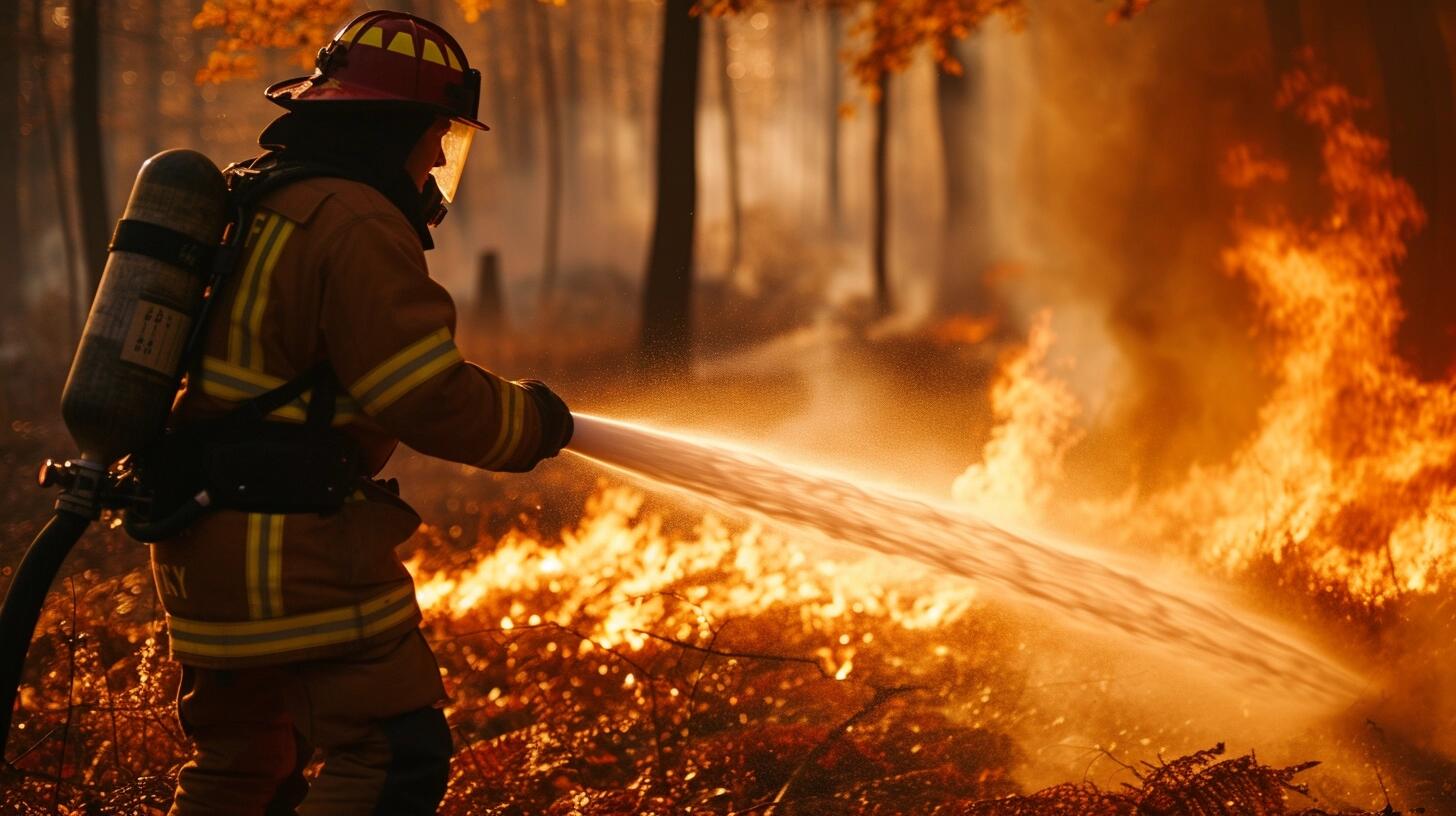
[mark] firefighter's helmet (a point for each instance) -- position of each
(396, 59)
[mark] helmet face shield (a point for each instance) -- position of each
(455, 145)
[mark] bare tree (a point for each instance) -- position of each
(964, 252)
(668, 293)
(730, 148)
(833, 206)
(880, 218)
(1416, 70)
(50, 125)
(86, 137)
(10, 239)
(551, 115)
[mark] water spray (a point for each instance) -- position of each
(1078, 585)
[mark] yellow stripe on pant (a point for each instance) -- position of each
(263, 565)
(277, 636)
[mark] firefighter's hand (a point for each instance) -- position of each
(556, 423)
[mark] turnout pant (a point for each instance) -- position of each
(372, 716)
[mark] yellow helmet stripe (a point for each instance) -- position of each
(352, 32)
(403, 43)
(372, 35)
(432, 53)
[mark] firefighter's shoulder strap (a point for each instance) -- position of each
(249, 182)
(319, 379)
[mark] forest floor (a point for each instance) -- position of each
(610, 651)
(559, 709)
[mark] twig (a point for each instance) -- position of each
(70, 696)
(470, 750)
(808, 661)
(115, 729)
(882, 696)
(660, 771)
(698, 678)
(34, 745)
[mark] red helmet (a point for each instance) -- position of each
(392, 57)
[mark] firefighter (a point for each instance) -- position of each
(298, 632)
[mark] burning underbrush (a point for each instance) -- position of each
(642, 659)
(1346, 491)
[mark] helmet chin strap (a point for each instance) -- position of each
(432, 203)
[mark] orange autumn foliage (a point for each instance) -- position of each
(891, 32)
(249, 26)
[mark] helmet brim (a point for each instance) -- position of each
(306, 92)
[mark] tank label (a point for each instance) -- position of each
(156, 337)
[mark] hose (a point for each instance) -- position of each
(24, 601)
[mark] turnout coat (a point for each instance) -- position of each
(330, 271)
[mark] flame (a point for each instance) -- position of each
(1350, 476)
(963, 329)
(1035, 415)
(617, 574)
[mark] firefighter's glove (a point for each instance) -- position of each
(556, 423)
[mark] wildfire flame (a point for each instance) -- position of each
(619, 571)
(1350, 476)
(1035, 415)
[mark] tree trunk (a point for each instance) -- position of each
(1422, 113)
(50, 124)
(551, 112)
(87, 137)
(10, 238)
(154, 46)
(964, 249)
(569, 82)
(635, 107)
(881, 213)
(607, 78)
(730, 150)
(1299, 145)
(668, 292)
(833, 207)
(520, 111)
(495, 72)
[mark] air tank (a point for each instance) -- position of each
(125, 373)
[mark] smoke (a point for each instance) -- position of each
(1104, 147)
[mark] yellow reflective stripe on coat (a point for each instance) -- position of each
(294, 632)
(245, 344)
(512, 421)
(231, 383)
(264, 565)
(405, 370)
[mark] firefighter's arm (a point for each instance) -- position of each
(388, 332)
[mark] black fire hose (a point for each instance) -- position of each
(24, 600)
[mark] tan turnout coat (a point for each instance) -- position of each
(331, 270)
